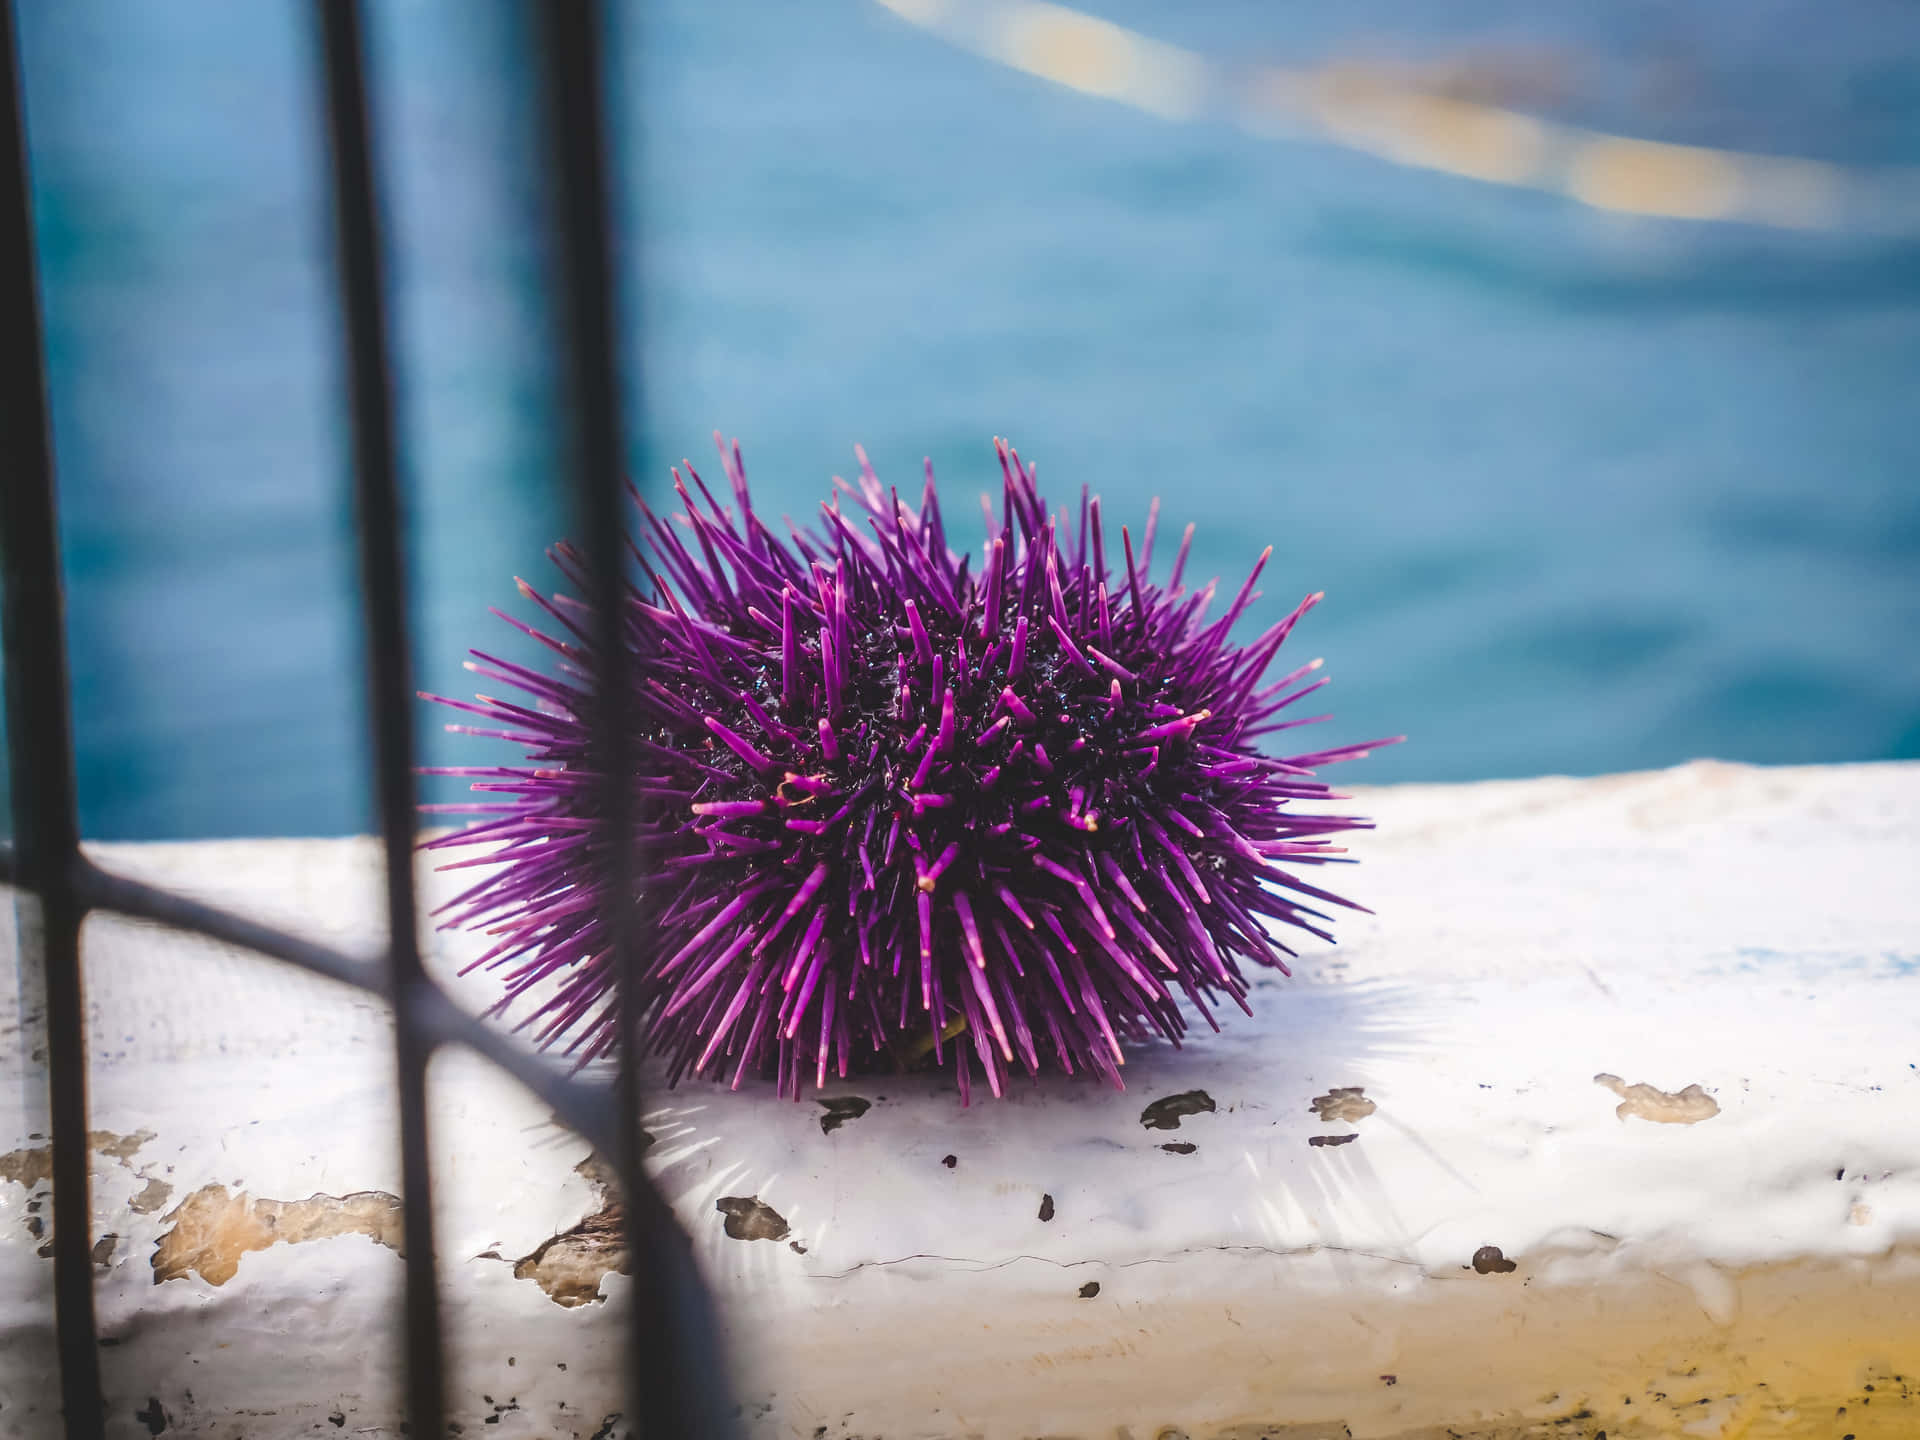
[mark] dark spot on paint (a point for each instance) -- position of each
(1046, 1207)
(1488, 1260)
(1090, 1289)
(1318, 1140)
(1167, 1112)
(796, 1247)
(1180, 1147)
(1840, 1174)
(1389, 1379)
(336, 1419)
(750, 1218)
(154, 1417)
(606, 1426)
(840, 1109)
(949, 1161)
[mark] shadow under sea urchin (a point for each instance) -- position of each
(888, 807)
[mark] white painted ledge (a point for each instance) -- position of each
(1750, 1270)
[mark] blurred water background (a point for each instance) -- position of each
(1587, 492)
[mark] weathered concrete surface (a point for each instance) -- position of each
(1610, 1121)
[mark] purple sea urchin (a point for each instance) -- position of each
(891, 806)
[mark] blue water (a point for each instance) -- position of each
(1585, 493)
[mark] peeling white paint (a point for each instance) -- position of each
(1752, 933)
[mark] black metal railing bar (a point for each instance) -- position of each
(40, 747)
(673, 1348)
(356, 213)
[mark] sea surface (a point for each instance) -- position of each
(1586, 492)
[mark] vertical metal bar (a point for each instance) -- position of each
(676, 1379)
(571, 30)
(40, 748)
(389, 683)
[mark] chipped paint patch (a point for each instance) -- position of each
(751, 1218)
(33, 1165)
(571, 1265)
(117, 1147)
(1664, 1107)
(155, 1417)
(213, 1228)
(1343, 1102)
(1167, 1112)
(840, 1109)
(27, 1168)
(150, 1197)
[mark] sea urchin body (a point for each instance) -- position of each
(888, 806)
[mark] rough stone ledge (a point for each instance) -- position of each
(1609, 1123)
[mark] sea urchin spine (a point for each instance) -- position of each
(888, 806)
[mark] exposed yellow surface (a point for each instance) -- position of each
(1805, 1350)
(212, 1228)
